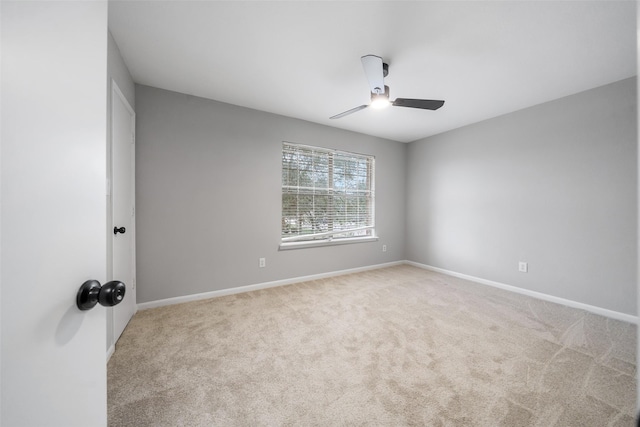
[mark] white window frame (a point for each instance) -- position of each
(331, 192)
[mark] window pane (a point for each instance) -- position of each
(326, 194)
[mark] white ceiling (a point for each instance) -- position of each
(302, 59)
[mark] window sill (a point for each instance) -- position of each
(314, 244)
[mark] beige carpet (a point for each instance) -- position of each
(390, 347)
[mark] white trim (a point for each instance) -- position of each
(539, 295)
(306, 237)
(285, 246)
(115, 91)
(115, 88)
(258, 286)
(110, 351)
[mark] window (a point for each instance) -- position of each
(327, 196)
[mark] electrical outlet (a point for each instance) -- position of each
(263, 262)
(384, 248)
(523, 267)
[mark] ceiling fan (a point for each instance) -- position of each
(376, 71)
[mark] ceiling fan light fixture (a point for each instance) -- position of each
(380, 100)
(380, 103)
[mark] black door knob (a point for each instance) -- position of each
(91, 293)
(117, 230)
(111, 293)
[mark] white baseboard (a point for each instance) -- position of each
(112, 347)
(110, 351)
(545, 297)
(248, 288)
(258, 286)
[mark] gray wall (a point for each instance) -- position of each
(118, 71)
(553, 185)
(208, 194)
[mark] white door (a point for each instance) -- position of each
(53, 212)
(123, 206)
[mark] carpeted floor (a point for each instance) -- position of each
(389, 347)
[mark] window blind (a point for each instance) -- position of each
(326, 194)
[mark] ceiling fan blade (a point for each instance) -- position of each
(346, 113)
(373, 70)
(425, 104)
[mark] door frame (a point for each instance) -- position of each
(131, 288)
